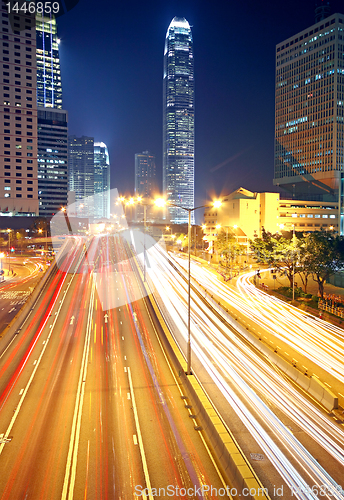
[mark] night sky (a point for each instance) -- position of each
(112, 67)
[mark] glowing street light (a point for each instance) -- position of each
(9, 250)
(2, 255)
(161, 202)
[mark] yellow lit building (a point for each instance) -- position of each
(244, 214)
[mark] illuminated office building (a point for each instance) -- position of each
(145, 179)
(49, 86)
(101, 181)
(18, 111)
(52, 160)
(81, 173)
(309, 114)
(52, 121)
(178, 119)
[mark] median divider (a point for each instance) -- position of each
(231, 460)
(317, 389)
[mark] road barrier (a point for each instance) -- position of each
(318, 390)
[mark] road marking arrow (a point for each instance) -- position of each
(72, 320)
(106, 318)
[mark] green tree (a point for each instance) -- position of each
(276, 251)
(227, 245)
(303, 266)
(325, 256)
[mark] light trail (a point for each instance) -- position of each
(228, 359)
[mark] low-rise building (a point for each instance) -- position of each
(245, 214)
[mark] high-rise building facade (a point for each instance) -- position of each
(309, 114)
(145, 174)
(52, 120)
(81, 173)
(52, 160)
(178, 119)
(101, 181)
(49, 85)
(145, 179)
(18, 111)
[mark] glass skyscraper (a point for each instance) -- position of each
(101, 181)
(81, 173)
(178, 119)
(49, 86)
(52, 120)
(309, 112)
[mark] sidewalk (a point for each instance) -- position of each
(312, 286)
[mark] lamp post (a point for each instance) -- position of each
(293, 262)
(2, 255)
(160, 202)
(46, 237)
(9, 250)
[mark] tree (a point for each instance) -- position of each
(325, 256)
(303, 265)
(228, 246)
(276, 251)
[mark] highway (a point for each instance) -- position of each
(89, 407)
(317, 347)
(15, 290)
(307, 459)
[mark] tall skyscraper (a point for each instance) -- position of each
(178, 119)
(145, 174)
(52, 121)
(18, 111)
(101, 181)
(49, 86)
(145, 179)
(52, 160)
(309, 115)
(81, 172)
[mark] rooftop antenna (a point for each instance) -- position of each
(322, 10)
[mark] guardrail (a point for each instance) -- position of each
(337, 311)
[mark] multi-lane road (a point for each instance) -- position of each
(89, 407)
(16, 288)
(303, 444)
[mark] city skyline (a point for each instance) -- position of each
(178, 120)
(234, 68)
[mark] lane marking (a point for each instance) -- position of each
(142, 451)
(128, 395)
(134, 438)
(122, 338)
(16, 413)
(69, 480)
(21, 392)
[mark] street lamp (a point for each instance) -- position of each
(293, 262)
(2, 255)
(9, 250)
(161, 202)
(46, 243)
